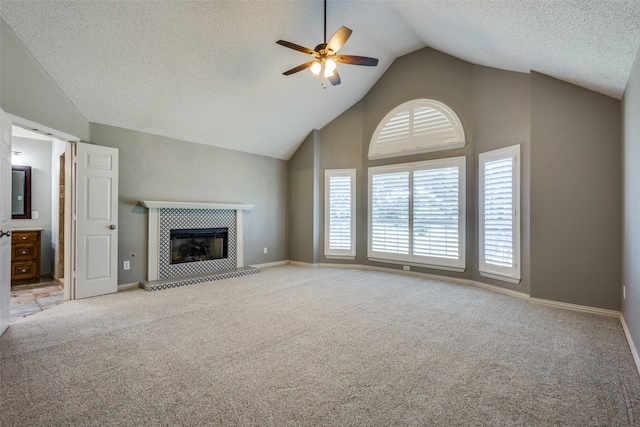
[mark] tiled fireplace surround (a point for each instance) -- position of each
(164, 216)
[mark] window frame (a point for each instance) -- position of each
(448, 264)
(339, 253)
(487, 269)
(417, 144)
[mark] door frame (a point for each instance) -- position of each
(69, 291)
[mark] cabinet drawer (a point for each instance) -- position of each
(24, 270)
(23, 252)
(18, 237)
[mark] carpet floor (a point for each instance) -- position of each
(295, 346)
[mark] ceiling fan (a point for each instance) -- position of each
(325, 57)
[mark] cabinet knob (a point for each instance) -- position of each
(24, 237)
(112, 227)
(24, 270)
(24, 252)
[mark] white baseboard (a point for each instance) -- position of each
(128, 286)
(576, 307)
(270, 264)
(632, 346)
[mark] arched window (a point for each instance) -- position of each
(417, 126)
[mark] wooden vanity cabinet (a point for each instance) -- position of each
(25, 255)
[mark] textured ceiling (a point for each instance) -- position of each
(211, 72)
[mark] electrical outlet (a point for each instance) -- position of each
(406, 268)
(126, 265)
(34, 214)
(265, 250)
(624, 292)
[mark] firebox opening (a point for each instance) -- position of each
(198, 244)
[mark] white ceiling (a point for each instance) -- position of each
(211, 72)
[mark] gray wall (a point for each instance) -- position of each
(631, 202)
(501, 118)
(575, 194)
(37, 154)
(28, 91)
(158, 168)
(303, 201)
(570, 168)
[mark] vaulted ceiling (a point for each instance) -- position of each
(210, 72)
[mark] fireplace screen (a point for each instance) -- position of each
(198, 244)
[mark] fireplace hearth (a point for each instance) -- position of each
(198, 244)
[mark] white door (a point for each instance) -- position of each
(5, 223)
(96, 220)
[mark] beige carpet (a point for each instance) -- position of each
(319, 347)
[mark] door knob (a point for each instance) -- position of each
(112, 226)
(5, 233)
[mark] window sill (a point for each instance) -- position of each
(414, 264)
(340, 256)
(499, 277)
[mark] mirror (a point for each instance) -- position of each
(21, 192)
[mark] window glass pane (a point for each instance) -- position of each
(390, 212)
(340, 212)
(435, 213)
(498, 212)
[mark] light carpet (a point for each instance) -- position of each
(295, 346)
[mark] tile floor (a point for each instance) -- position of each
(32, 298)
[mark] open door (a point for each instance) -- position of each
(5, 222)
(95, 234)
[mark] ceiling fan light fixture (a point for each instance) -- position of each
(330, 65)
(316, 67)
(328, 72)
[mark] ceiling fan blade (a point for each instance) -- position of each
(339, 39)
(357, 60)
(335, 79)
(299, 68)
(296, 47)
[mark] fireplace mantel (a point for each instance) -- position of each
(153, 204)
(155, 209)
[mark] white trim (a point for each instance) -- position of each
(499, 272)
(35, 127)
(453, 146)
(575, 307)
(632, 346)
(500, 277)
(409, 258)
(413, 143)
(153, 266)
(416, 264)
(239, 238)
(339, 253)
(128, 286)
(270, 264)
(153, 204)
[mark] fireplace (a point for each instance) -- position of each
(198, 244)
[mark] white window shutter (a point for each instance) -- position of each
(340, 213)
(435, 213)
(499, 214)
(390, 213)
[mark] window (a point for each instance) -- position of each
(417, 213)
(417, 126)
(339, 218)
(500, 214)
